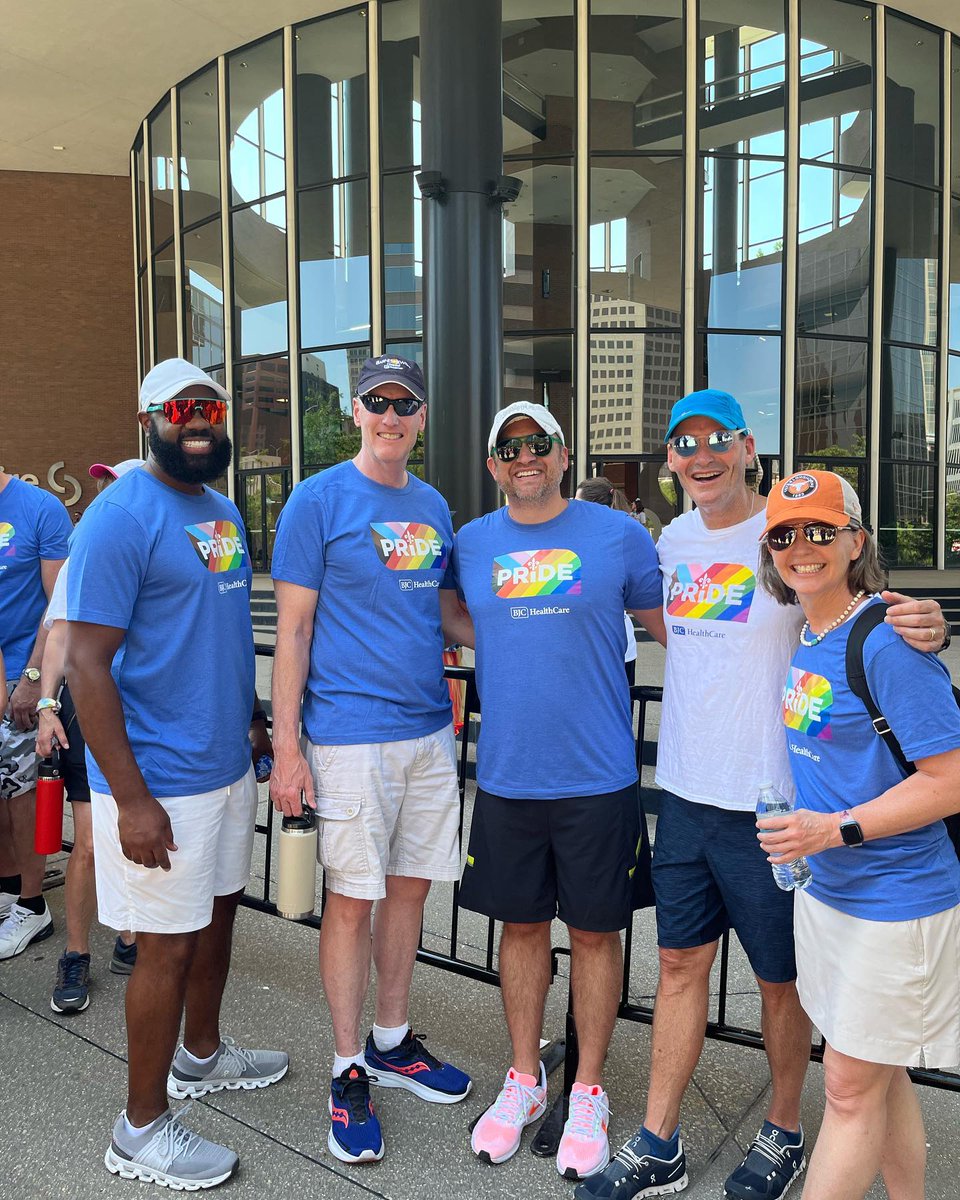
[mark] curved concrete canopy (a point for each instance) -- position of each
(83, 76)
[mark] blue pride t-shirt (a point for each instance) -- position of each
(377, 556)
(173, 570)
(547, 602)
(33, 525)
(838, 762)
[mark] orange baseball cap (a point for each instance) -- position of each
(813, 496)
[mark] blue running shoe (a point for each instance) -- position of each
(773, 1163)
(410, 1066)
(635, 1172)
(354, 1135)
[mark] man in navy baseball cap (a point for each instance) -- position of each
(391, 368)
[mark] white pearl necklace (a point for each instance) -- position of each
(818, 637)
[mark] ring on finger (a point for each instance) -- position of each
(932, 632)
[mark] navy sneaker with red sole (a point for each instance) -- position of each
(411, 1066)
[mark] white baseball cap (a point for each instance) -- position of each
(523, 408)
(170, 377)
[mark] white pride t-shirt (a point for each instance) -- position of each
(729, 644)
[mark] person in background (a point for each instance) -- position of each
(599, 490)
(639, 511)
(878, 930)
(34, 528)
(58, 726)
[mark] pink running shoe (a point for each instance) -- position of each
(522, 1100)
(584, 1149)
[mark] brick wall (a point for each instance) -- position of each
(68, 380)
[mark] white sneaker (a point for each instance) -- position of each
(22, 927)
(7, 901)
(169, 1154)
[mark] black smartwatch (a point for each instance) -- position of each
(850, 829)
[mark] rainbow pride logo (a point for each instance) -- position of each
(537, 573)
(408, 546)
(7, 547)
(807, 700)
(720, 592)
(218, 544)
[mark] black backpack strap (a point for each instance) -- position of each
(867, 621)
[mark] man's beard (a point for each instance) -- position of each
(189, 468)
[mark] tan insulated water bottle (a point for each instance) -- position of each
(297, 869)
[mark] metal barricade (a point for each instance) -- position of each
(720, 1029)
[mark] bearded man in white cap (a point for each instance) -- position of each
(161, 664)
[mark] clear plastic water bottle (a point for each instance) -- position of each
(792, 876)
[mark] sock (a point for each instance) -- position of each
(790, 1134)
(10, 884)
(342, 1063)
(36, 904)
(136, 1130)
(389, 1037)
(201, 1062)
(663, 1148)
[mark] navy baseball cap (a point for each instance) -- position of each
(391, 368)
(719, 406)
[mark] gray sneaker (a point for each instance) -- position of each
(169, 1154)
(232, 1069)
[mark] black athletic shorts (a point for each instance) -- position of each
(584, 859)
(73, 762)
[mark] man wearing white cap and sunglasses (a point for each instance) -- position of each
(161, 664)
(557, 827)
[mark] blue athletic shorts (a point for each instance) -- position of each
(710, 875)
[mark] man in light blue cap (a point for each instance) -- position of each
(729, 644)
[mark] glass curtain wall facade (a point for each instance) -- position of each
(763, 198)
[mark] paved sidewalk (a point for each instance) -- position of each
(62, 1079)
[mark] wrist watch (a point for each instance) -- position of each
(48, 704)
(32, 674)
(850, 829)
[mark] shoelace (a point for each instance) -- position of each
(356, 1094)
(418, 1049)
(175, 1139)
(513, 1103)
(235, 1056)
(586, 1114)
(770, 1148)
(629, 1158)
(17, 915)
(71, 973)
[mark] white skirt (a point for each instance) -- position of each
(881, 991)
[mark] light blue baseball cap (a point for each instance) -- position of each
(719, 406)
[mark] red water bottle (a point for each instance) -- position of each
(48, 835)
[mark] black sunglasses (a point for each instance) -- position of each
(405, 406)
(817, 533)
(540, 443)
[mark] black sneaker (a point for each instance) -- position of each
(72, 991)
(634, 1172)
(774, 1161)
(124, 957)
